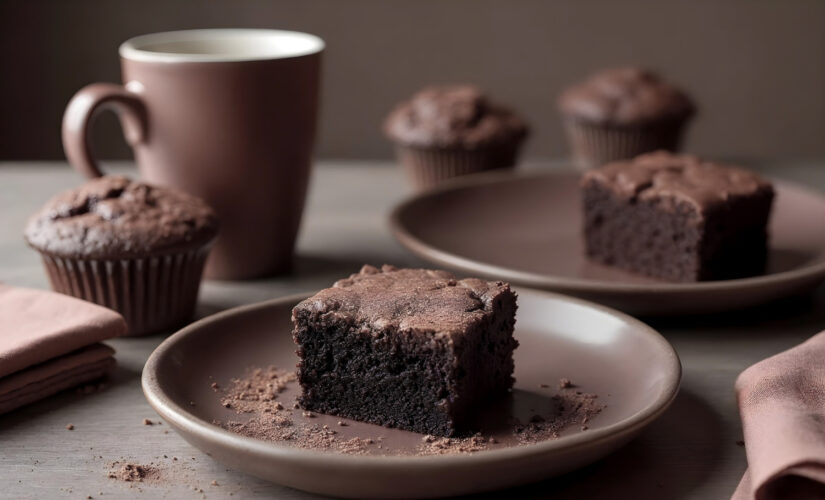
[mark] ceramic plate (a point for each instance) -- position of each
(632, 368)
(526, 229)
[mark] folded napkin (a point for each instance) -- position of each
(782, 403)
(50, 342)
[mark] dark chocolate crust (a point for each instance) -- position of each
(629, 96)
(458, 116)
(677, 218)
(115, 218)
(410, 348)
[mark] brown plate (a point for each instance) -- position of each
(526, 229)
(634, 371)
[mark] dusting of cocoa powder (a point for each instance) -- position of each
(572, 408)
(129, 472)
(434, 445)
(255, 396)
(257, 391)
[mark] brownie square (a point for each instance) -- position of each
(677, 218)
(415, 349)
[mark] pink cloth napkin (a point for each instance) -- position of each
(50, 342)
(782, 403)
(64, 372)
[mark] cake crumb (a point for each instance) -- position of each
(214, 483)
(565, 383)
(69, 427)
(146, 421)
(132, 473)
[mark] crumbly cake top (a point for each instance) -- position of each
(420, 300)
(625, 96)
(453, 116)
(663, 174)
(114, 217)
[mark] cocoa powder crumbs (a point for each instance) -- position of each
(433, 445)
(282, 428)
(258, 391)
(571, 408)
(130, 472)
(256, 394)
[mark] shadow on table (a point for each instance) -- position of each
(807, 309)
(655, 465)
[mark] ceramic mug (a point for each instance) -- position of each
(228, 115)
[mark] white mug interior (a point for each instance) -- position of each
(220, 45)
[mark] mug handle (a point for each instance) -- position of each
(77, 122)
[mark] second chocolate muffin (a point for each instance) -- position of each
(444, 132)
(621, 113)
(132, 247)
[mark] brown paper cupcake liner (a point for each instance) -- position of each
(152, 293)
(595, 145)
(427, 167)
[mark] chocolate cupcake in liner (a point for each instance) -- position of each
(132, 247)
(621, 113)
(446, 132)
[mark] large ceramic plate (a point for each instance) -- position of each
(526, 229)
(632, 368)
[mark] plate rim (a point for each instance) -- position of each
(562, 284)
(181, 417)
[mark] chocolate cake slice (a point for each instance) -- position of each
(677, 218)
(415, 349)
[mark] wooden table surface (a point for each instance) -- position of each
(691, 452)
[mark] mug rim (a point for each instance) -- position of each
(134, 49)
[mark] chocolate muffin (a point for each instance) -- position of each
(132, 247)
(415, 349)
(621, 113)
(677, 218)
(444, 132)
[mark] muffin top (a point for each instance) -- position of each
(114, 217)
(625, 96)
(458, 116)
(662, 174)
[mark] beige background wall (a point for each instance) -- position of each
(757, 67)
